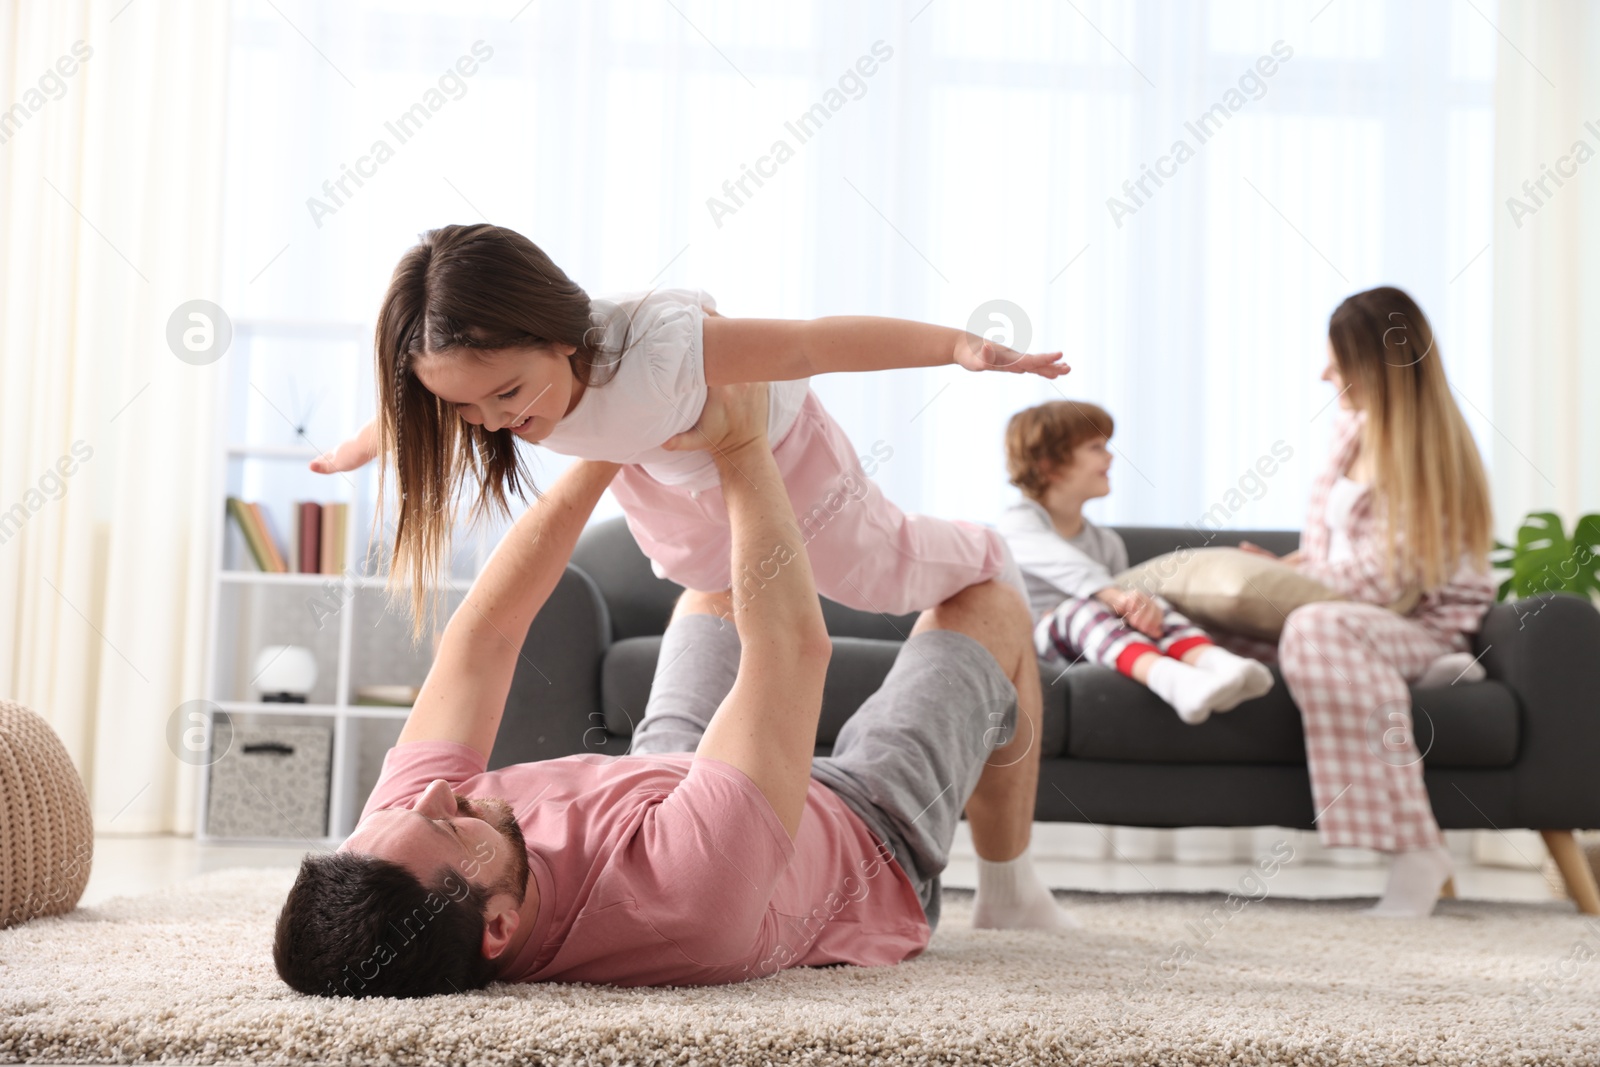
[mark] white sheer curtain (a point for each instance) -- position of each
(1547, 259)
(975, 162)
(1546, 272)
(110, 193)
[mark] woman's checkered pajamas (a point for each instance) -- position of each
(1083, 628)
(1346, 663)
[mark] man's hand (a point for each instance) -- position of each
(974, 353)
(734, 416)
(1137, 609)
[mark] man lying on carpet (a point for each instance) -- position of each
(718, 850)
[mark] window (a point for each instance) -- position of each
(985, 157)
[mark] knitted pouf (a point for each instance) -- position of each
(46, 831)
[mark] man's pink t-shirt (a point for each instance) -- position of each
(674, 870)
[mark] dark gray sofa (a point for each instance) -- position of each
(1521, 749)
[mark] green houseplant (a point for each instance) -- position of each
(1546, 560)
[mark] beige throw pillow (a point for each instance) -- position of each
(1228, 588)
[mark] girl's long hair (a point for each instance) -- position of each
(1426, 469)
(465, 290)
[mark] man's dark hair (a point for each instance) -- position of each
(360, 926)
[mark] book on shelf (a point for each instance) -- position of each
(315, 541)
(393, 696)
(255, 536)
(335, 524)
(310, 539)
(280, 565)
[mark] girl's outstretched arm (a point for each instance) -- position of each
(348, 455)
(760, 350)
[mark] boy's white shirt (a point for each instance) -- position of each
(1054, 567)
(658, 389)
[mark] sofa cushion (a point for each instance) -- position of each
(1228, 587)
(856, 670)
(640, 603)
(626, 672)
(1147, 542)
(1115, 718)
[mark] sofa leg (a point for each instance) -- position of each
(1574, 867)
(1448, 890)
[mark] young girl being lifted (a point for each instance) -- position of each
(482, 341)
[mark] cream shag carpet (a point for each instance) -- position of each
(186, 976)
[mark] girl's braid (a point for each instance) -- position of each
(399, 404)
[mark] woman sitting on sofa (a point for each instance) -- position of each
(1399, 522)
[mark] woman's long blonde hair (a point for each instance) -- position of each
(1426, 468)
(465, 291)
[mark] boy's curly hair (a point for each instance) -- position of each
(1040, 440)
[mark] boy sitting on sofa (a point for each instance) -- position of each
(1057, 454)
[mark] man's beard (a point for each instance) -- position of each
(498, 814)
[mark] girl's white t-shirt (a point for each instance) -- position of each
(658, 389)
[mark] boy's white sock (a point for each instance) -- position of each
(1043, 645)
(1451, 668)
(1248, 678)
(1011, 896)
(1192, 692)
(1415, 879)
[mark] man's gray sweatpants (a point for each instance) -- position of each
(906, 761)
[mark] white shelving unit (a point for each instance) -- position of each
(264, 457)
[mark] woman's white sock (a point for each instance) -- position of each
(1192, 692)
(1249, 678)
(1012, 896)
(1415, 879)
(1452, 668)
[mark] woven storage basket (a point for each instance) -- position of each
(46, 831)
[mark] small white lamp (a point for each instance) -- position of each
(285, 674)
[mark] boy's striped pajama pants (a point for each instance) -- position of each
(1085, 629)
